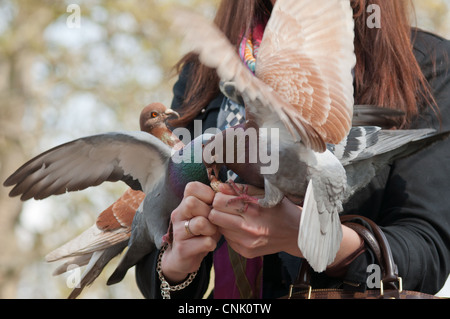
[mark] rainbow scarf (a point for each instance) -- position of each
(249, 47)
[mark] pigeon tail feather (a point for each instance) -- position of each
(319, 248)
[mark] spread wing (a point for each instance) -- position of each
(137, 158)
(215, 51)
(307, 56)
(367, 142)
(303, 69)
(368, 149)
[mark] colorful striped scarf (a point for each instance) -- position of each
(249, 47)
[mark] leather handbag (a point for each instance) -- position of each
(391, 286)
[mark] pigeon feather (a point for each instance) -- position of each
(92, 161)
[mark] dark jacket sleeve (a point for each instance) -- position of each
(410, 201)
(416, 212)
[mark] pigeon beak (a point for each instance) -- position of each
(171, 114)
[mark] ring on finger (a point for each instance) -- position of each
(186, 227)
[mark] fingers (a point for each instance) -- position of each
(225, 220)
(228, 204)
(196, 226)
(249, 242)
(193, 212)
(200, 191)
(196, 202)
(228, 217)
(193, 247)
(194, 236)
(189, 208)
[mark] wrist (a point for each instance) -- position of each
(173, 276)
(165, 286)
(352, 246)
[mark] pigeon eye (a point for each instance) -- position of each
(154, 114)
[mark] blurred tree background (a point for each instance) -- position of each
(59, 82)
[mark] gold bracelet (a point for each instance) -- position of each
(166, 288)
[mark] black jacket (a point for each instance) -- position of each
(410, 201)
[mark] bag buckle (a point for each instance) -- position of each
(292, 287)
(400, 286)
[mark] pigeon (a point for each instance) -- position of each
(303, 79)
(139, 159)
(361, 155)
(109, 235)
(303, 87)
(107, 238)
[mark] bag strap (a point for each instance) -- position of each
(377, 243)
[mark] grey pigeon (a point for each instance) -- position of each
(137, 158)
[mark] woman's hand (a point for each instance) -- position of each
(187, 251)
(262, 231)
(258, 231)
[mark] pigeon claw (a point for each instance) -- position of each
(214, 182)
(168, 237)
(238, 190)
(242, 196)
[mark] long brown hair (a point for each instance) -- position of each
(387, 73)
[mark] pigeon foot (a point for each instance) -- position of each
(168, 237)
(242, 196)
